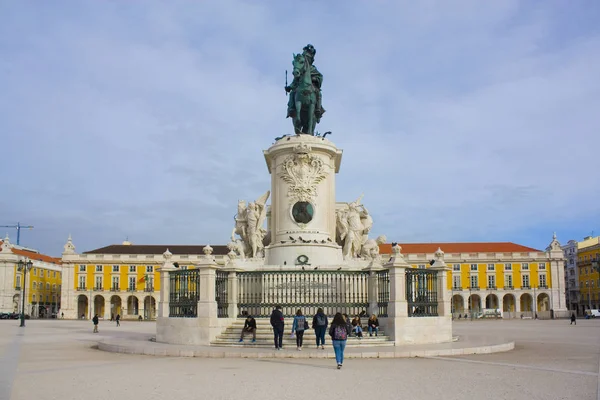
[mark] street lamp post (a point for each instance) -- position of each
(24, 266)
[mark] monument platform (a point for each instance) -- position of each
(464, 345)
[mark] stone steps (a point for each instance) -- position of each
(264, 337)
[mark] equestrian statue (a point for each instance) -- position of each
(304, 104)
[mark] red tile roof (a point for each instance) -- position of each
(471, 247)
(35, 256)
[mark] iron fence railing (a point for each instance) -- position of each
(334, 291)
(184, 293)
(221, 293)
(421, 293)
(383, 292)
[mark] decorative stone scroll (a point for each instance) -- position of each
(303, 171)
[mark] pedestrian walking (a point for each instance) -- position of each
(339, 332)
(95, 321)
(277, 323)
(573, 319)
(118, 319)
(319, 324)
(298, 326)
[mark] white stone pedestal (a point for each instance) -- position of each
(303, 169)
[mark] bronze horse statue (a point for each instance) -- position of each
(305, 97)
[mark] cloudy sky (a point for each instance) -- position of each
(459, 120)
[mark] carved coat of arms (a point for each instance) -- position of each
(303, 171)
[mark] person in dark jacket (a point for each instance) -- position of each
(373, 325)
(249, 327)
(278, 325)
(573, 319)
(95, 321)
(118, 319)
(339, 332)
(319, 324)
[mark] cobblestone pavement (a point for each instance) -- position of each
(54, 359)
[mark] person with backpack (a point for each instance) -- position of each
(339, 334)
(278, 324)
(298, 326)
(319, 324)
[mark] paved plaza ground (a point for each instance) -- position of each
(54, 359)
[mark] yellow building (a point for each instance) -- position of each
(502, 275)
(119, 279)
(42, 286)
(588, 259)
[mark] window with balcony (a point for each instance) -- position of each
(508, 267)
(18, 281)
(491, 282)
(525, 267)
(491, 267)
(98, 268)
(525, 283)
(508, 282)
(98, 285)
(542, 266)
(421, 266)
(456, 267)
(54, 287)
(33, 298)
(474, 282)
(456, 282)
(149, 283)
(115, 284)
(132, 268)
(543, 284)
(131, 286)
(81, 283)
(34, 285)
(35, 272)
(47, 286)
(473, 267)
(115, 268)
(149, 268)
(47, 298)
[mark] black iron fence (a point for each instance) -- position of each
(421, 293)
(221, 293)
(383, 292)
(184, 293)
(334, 291)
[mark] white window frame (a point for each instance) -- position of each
(491, 281)
(542, 266)
(98, 268)
(149, 268)
(474, 279)
(456, 281)
(132, 269)
(131, 286)
(456, 267)
(115, 268)
(18, 281)
(523, 279)
(491, 267)
(474, 267)
(82, 280)
(525, 267)
(98, 280)
(508, 282)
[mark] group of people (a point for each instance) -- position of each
(96, 320)
(340, 329)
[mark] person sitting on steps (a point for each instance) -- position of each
(249, 327)
(357, 327)
(373, 325)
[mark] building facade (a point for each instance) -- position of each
(118, 279)
(571, 275)
(517, 280)
(588, 259)
(43, 284)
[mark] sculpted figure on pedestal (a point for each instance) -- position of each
(370, 249)
(353, 225)
(249, 226)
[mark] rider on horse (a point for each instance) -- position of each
(317, 79)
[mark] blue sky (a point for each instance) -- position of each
(459, 121)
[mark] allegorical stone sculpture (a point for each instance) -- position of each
(249, 222)
(370, 249)
(304, 104)
(353, 225)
